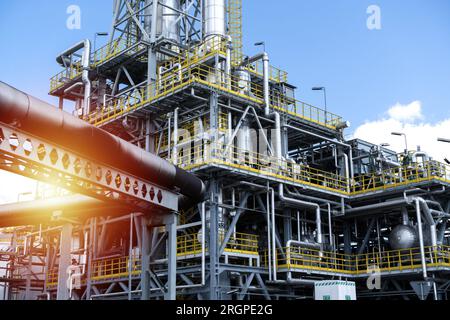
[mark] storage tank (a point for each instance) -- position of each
(403, 237)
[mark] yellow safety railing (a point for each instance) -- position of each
(73, 71)
(197, 54)
(405, 175)
(115, 268)
(200, 154)
(180, 79)
(111, 268)
(52, 278)
(295, 259)
(121, 267)
(262, 164)
(275, 74)
(130, 45)
(242, 243)
(109, 51)
(310, 260)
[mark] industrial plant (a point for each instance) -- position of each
(188, 170)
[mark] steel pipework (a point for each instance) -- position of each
(38, 118)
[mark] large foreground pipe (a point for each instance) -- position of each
(39, 211)
(38, 118)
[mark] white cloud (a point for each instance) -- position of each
(406, 113)
(402, 118)
(12, 185)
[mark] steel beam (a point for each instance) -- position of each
(37, 159)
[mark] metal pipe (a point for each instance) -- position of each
(38, 118)
(274, 249)
(63, 60)
(311, 198)
(347, 172)
(303, 244)
(75, 85)
(422, 248)
(269, 237)
(175, 136)
(266, 84)
(352, 175)
(405, 218)
(38, 211)
(228, 61)
(278, 147)
(307, 245)
(367, 210)
(304, 204)
(290, 281)
(429, 219)
(85, 76)
(330, 227)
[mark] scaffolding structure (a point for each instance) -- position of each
(289, 201)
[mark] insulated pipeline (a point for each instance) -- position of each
(38, 118)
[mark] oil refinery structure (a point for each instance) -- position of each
(188, 170)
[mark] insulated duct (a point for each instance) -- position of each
(38, 118)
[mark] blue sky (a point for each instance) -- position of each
(320, 42)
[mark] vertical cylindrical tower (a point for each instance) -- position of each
(166, 19)
(170, 27)
(214, 18)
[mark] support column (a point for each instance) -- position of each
(171, 227)
(347, 238)
(213, 241)
(64, 262)
(214, 203)
(287, 225)
(145, 264)
(29, 269)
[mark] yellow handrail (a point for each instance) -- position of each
(298, 258)
(177, 80)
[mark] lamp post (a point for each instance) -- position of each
(445, 141)
(325, 98)
(399, 134)
(98, 34)
(261, 43)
